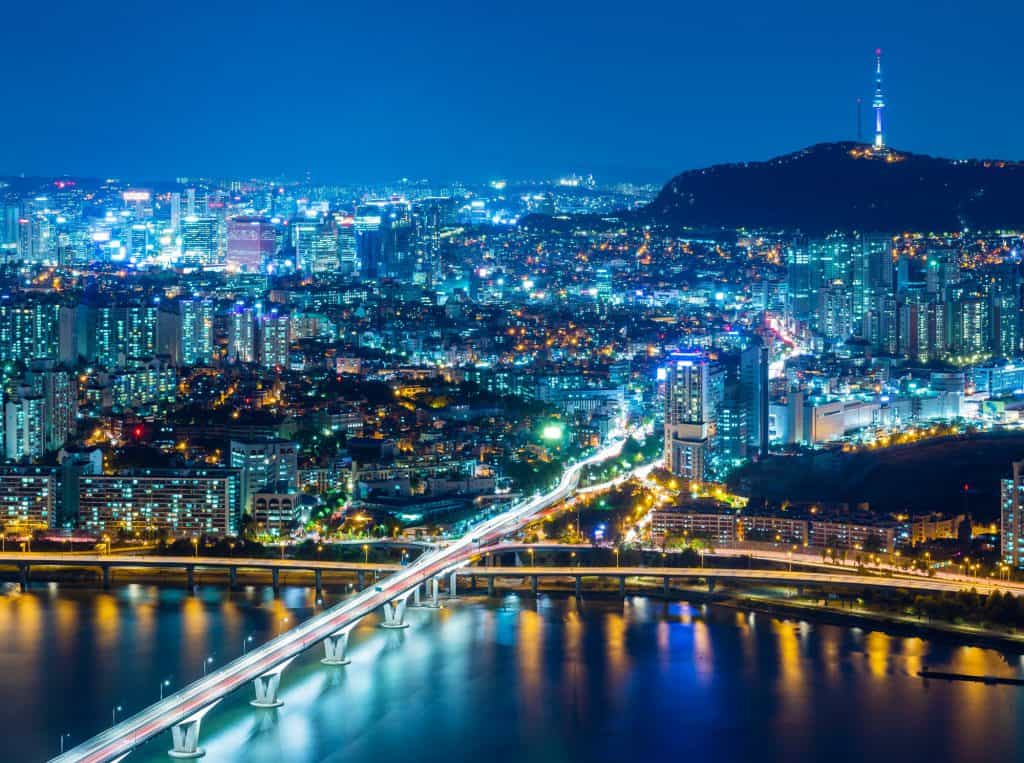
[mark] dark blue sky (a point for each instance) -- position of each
(374, 90)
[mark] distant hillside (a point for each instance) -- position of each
(841, 186)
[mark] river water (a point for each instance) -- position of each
(513, 679)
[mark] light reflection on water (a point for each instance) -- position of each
(510, 680)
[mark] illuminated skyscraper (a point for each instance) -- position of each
(197, 332)
(689, 416)
(275, 339)
(878, 103)
(251, 243)
(242, 334)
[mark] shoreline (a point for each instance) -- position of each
(964, 634)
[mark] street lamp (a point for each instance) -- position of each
(280, 630)
(113, 714)
(165, 683)
(62, 737)
(319, 548)
(366, 554)
(245, 642)
(616, 557)
(195, 546)
(206, 663)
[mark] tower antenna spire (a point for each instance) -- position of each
(878, 103)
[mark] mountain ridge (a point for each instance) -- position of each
(846, 186)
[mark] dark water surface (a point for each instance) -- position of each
(515, 680)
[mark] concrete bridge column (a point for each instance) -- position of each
(394, 612)
(335, 646)
(622, 585)
(190, 576)
(318, 582)
(711, 585)
(490, 586)
(452, 586)
(106, 577)
(24, 569)
(233, 578)
(579, 586)
(266, 687)
(360, 580)
(533, 584)
(664, 585)
(472, 583)
(185, 735)
(275, 580)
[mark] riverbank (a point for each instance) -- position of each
(903, 624)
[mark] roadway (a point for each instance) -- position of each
(176, 708)
(783, 577)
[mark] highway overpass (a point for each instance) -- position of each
(183, 711)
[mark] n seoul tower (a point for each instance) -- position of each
(878, 103)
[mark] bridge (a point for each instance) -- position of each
(711, 576)
(183, 711)
(106, 564)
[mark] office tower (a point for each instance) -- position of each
(348, 256)
(264, 464)
(689, 416)
(316, 247)
(1011, 521)
(383, 236)
(196, 332)
(199, 245)
(799, 281)
(242, 334)
(252, 242)
(175, 214)
(754, 395)
(275, 339)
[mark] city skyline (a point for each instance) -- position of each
(637, 96)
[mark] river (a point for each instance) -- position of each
(513, 679)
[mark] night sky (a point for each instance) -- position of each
(370, 91)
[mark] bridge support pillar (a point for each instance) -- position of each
(472, 583)
(533, 584)
(275, 580)
(622, 586)
(711, 585)
(394, 612)
(490, 586)
(106, 577)
(266, 687)
(664, 585)
(360, 580)
(318, 582)
(453, 586)
(24, 569)
(799, 591)
(233, 578)
(579, 586)
(190, 576)
(335, 646)
(185, 735)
